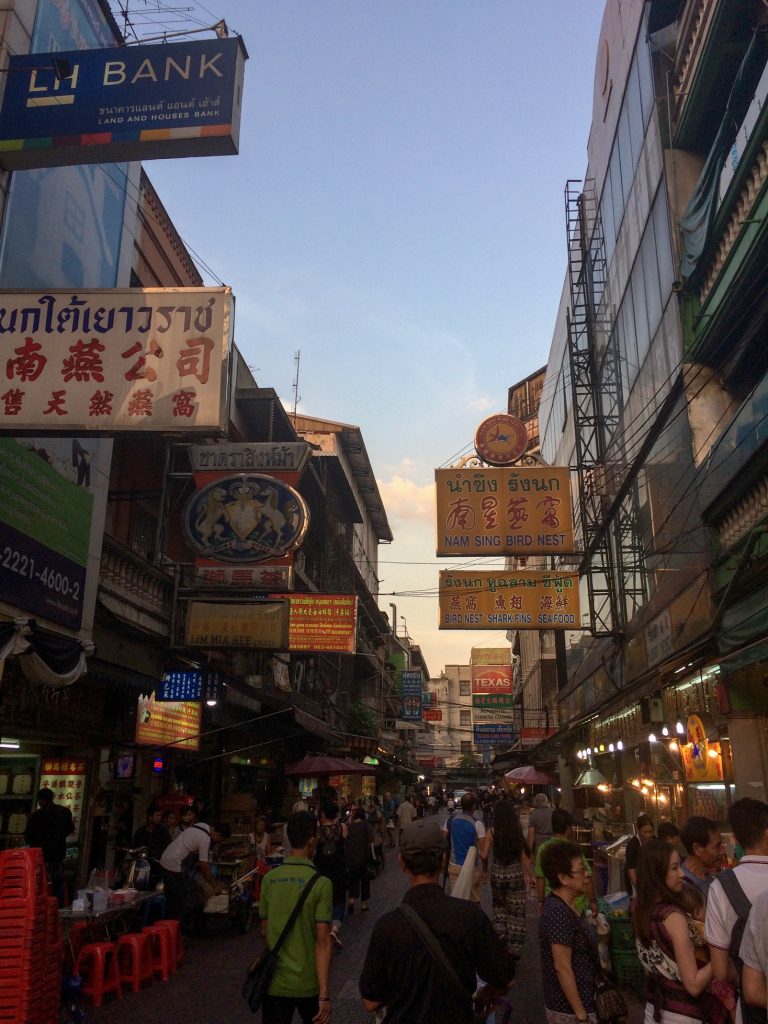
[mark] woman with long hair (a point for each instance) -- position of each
(677, 984)
(511, 874)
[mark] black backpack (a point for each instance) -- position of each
(741, 905)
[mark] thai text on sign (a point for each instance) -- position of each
(526, 599)
(125, 359)
(322, 622)
(522, 511)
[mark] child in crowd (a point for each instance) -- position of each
(723, 992)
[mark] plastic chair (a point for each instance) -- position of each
(163, 954)
(153, 910)
(97, 965)
(173, 927)
(134, 960)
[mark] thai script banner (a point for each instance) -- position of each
(125, 359)
(490, 656)
(292, 456)
(236, 625)
(527, 599)
(495, 734)
(522, 511)
(322, 622)
(160, 724)
(132, 103)
(491, 679)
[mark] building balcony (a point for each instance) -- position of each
(134, 590)
(733, 263)
(712, 39)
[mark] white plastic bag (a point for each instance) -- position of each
(463, 887)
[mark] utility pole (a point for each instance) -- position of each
(296, 395)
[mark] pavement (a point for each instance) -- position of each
(206, 988)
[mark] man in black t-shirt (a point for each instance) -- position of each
(48, 828)
(401, 972)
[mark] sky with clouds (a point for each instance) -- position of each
(396, 215)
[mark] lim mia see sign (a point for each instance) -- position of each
(126, 103)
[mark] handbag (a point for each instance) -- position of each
(262, 970)
(609, 1002)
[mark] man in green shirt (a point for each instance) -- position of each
(561, 832)
(301, 981)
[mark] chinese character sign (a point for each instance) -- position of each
(322, 622)
(526, 599)
(66, 777)
(522, 511)
(126, 359)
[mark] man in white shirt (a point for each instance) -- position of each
(754, 954)
(187, 853)
(732, 892)
(406, 814)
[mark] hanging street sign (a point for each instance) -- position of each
(526, 599)
(129, 103)
(521, 511)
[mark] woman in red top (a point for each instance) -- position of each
(677, 985)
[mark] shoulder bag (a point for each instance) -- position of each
(261, 971)
(434, 947)
(609, 1002)
(741, 905)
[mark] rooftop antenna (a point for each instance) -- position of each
(296, 395)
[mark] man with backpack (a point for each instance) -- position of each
(732, 893)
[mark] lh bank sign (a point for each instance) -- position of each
(126, 103)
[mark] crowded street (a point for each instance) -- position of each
(383, 512)
(208, 983)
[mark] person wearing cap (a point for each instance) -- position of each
(401, 974)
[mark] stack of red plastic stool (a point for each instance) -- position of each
(30, 944)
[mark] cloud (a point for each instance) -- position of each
(406, 467)
(406, 500)
(482, 403)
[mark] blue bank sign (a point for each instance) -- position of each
(126, 103)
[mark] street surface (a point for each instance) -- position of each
(206, 988)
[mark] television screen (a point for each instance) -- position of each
(125, 764)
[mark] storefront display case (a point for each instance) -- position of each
(18, 789)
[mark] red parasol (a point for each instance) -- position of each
(321, 764)
(530, 775)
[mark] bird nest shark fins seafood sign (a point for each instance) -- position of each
(245, 518)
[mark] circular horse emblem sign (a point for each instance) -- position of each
(501, 439)
(246, 518)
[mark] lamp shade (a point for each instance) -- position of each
(590, 777)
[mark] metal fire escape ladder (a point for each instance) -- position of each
(595, 409)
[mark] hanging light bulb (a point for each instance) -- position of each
(611, 748)
(674, 747)
(602, 748)
(664, 730)
(644, 790)
(679, 728)
(620, 745)
(651, 737)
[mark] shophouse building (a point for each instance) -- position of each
(75, 692)
(654, 396)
